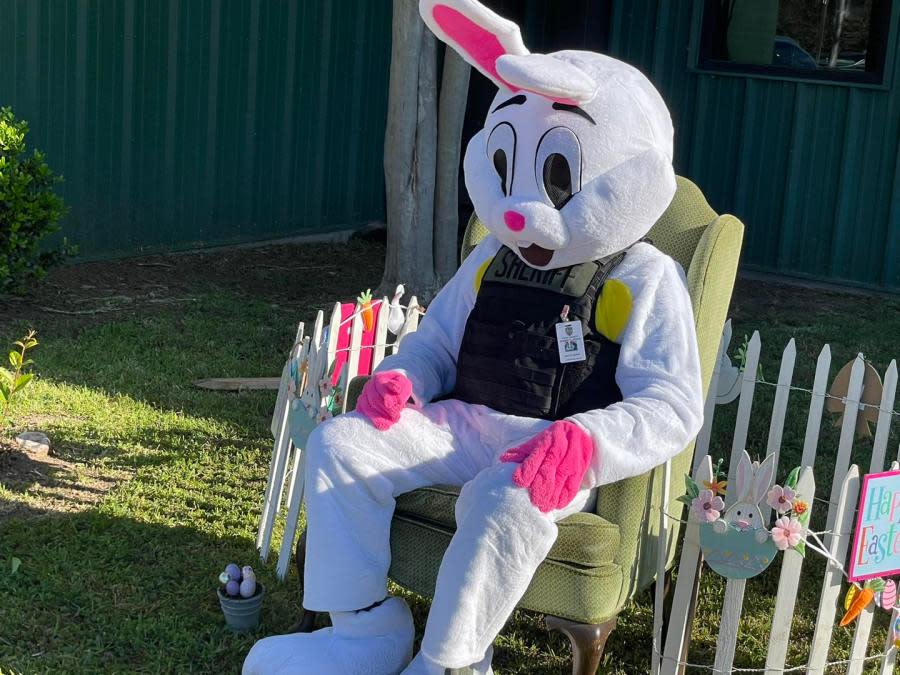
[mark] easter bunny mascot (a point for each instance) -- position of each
(560, 357)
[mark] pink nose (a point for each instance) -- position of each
(743, 524)
(514, 221)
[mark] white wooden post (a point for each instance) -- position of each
(679, 631)
(816, 405)
(352, 364)
(734, 589)
(788, 584)
(848, 491)
(411, 323)
(845, 445)
(295, 500)
(662, 557)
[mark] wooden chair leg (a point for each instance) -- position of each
(588, 642)
(307, 622)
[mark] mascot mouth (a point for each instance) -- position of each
(535, 255)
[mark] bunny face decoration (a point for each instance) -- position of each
(751, 484)
(561, 357)
(574, 162)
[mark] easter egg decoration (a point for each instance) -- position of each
(224, 578)
(889, 595)
(233, 572)
(248, 587)
(232, 588)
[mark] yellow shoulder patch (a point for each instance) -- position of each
(479, 274)
(613, 309)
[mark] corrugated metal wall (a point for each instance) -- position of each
(180, 123)
(812, 169)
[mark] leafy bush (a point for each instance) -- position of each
(29, 208)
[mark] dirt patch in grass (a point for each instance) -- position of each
(34, 486)
(97, 292)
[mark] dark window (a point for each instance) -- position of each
(817, 39)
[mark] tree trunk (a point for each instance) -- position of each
(409, 155)
(451, 115)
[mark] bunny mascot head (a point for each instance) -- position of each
(574, 162)
(560, 357)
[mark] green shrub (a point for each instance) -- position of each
(29, 208)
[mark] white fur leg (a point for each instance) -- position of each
(500, 540)
(375, 642)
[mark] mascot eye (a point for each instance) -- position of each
(500, 166)
(557, 166)
(501, 152)
(557, 179)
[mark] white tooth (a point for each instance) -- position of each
(525, 244)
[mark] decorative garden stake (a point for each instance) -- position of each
(739, 544)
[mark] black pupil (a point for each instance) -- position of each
(500, 167)
(557, 179)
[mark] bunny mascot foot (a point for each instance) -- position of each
(422, 665)
(377, 641)
(561, 357)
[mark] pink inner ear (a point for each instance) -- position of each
(481, 45)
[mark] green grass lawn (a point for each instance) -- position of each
(154, 485)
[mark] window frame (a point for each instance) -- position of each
(881, 79)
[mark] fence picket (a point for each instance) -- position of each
(689, 565)
(848, 491)
(410, 324)
(662, 558)
(845, 445)
(381, 331)
(788, 583)
(701, 447)
(885, 417)
(734, 589)
(816, 405)
(351, 366)
(295, 500)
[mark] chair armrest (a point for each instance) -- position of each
(633, 504)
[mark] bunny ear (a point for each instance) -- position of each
(478, 34)
(763, 478)
(742, 476)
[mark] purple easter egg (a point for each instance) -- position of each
(248, 588)
(233, 572)
(232, 588)
(248, 572)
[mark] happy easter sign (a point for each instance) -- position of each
(876, 541)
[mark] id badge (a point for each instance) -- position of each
(570, 342)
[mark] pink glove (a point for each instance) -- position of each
(383, 397)
(553, 464)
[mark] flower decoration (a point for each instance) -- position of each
(717, 486)
(781, 498)
(799, 506)
(787, 533)
(707, 506)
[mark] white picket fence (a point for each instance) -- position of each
(314, 354)
(842, 497)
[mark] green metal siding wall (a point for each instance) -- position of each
(812, 169)
(180, 123)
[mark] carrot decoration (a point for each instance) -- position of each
(368, 313)
(862, 598)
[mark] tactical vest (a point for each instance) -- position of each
(508, 358)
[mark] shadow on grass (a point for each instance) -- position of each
(100, 593)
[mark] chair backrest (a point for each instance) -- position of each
(708, 247)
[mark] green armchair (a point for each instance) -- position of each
(601, 559)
